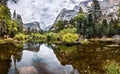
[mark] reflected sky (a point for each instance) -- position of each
(44, 61)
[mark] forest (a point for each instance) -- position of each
(89, 43)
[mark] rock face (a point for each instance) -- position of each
(85, 5)
(66, 15)
(107, 7)
(32, 25)
(48, 27)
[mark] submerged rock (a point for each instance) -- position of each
(116, 39)
(27, 70)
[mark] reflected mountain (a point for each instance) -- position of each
(31, 47)
(31, 59)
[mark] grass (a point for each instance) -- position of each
(113, 68)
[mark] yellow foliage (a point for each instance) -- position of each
(70, 38)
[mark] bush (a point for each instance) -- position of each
(52, 36)
(39, 36)
(70, 38)
(68, 30)
(20, 36)
(113, 68)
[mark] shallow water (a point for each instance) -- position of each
(56, 59)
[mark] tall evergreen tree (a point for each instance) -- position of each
(14, 15)
(3, 2)
(90, 26)
(105, 27)
(96, 9)
(96, 14)
(81, 21)
(19, 18)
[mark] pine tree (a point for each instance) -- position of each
(80, 10)
(96, 14)
(20, 23)
(96, 9)
(14, 14)
(90, 26)
(105, 27)
(19, 18)
(3, 2)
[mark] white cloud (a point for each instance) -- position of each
(44, 11)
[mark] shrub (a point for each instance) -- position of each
(113, 68)
(70, 38)
(39, 36)
(52, 36)
(20, 36)
(68, 30)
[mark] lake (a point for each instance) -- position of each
(32, 58)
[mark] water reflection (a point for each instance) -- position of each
(56, 59)
(39, 59)
(6, 51)
(88, 59)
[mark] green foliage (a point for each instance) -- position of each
(89, 32)
(68, 30)
(4, 12)
(72, 22)
(3, 2)
(81, 17)
(70, 38)
(55, 37)
(59, 25)
(96, 5)
(81, 21)
(118, 24)
(96, 8)
(21, 36)
(113, 68)
(37, 37)
(52, 36)
(12, 25)
(9, 26)
(104, 27)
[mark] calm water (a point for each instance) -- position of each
(56, 59)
